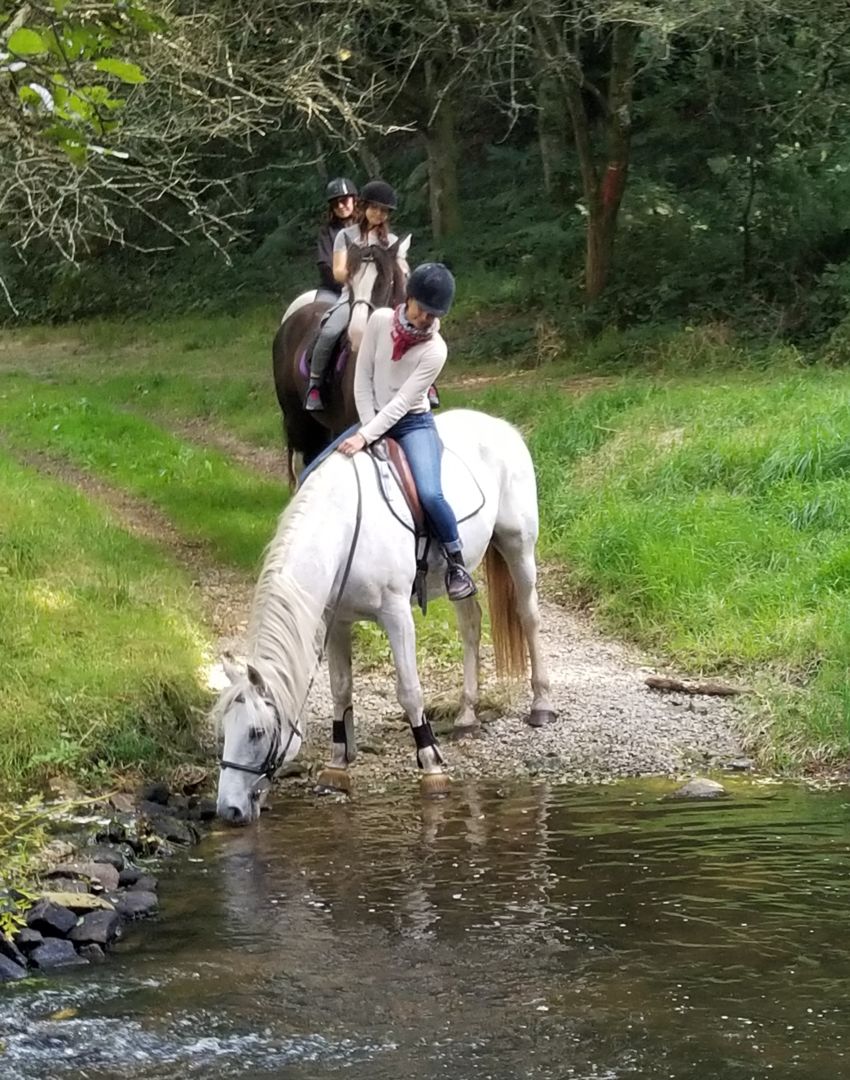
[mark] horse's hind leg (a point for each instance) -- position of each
(335, 775)
(397, 621)
(468, 614)
(518, 552)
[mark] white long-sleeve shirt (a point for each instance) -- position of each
(385, 390)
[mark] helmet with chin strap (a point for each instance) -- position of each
(339, 189)
(432, 286)
(380, 193)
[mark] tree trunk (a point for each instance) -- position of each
(599, 255)
(552, 135)
(604, 193)
(441, 147)
(371, 165)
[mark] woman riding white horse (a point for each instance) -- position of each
(341, 554)
(401, 355)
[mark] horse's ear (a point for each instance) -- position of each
(256, 679)
(230, 669)
(348, 241)
(403, 246)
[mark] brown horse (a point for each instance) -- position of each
(376, 279)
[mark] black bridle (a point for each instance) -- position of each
(276, 756)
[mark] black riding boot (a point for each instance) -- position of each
(459, 585)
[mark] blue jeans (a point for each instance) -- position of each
(417, 435)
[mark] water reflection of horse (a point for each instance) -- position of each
(375, 280)
(317, 581)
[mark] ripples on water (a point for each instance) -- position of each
(527, 932)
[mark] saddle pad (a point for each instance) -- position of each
(341, 354)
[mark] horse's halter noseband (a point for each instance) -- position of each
(275, 757)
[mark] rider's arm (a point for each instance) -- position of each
(364, 372)
(411, 392)
(340, 260)
(340, 267)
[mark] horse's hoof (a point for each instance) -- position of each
(333, 779)
(541, 717)
(433, 785)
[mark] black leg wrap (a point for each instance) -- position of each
(424, 737)
(339, 732)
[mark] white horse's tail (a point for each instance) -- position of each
(509, 642)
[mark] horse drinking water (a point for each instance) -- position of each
(344, 552)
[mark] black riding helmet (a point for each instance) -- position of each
(432, 286)
(339, 188)
(380, 193)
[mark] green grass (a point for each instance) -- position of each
(205, 495)
(711, 522)
(100, 640)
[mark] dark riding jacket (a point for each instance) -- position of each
(325, 254)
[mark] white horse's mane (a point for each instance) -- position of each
(287, 621)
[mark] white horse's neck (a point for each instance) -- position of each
(304, 562)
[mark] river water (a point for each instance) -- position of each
(505, 932)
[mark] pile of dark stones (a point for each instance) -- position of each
(103, 881)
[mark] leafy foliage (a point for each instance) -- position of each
(22, 837)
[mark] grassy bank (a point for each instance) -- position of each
(708, 519)
(100, 639)
(696, 493)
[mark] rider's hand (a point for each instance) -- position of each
(352, 444)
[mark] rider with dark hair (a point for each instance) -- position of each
(376, 204)
(401, 355)
(340, 195)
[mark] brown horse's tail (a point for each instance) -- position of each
(291, 478)
(506, 629)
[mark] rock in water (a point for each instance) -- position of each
(701, 788)
(103, 874)
(105, 853)
(10, 950)
(28, 939)
(55, 953)
(78, 902)
(51, 919)
(136, 904)
(10, 971)
(97, 928)
(93, 953)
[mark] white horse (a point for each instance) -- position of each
(342, 553)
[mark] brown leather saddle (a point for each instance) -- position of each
(404, 478)
(388, 451)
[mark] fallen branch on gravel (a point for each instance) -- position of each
(661, 682)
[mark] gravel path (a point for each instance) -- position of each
(610, 724)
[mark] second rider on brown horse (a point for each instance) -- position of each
(377, 201)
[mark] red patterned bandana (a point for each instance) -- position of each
(405, 335)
